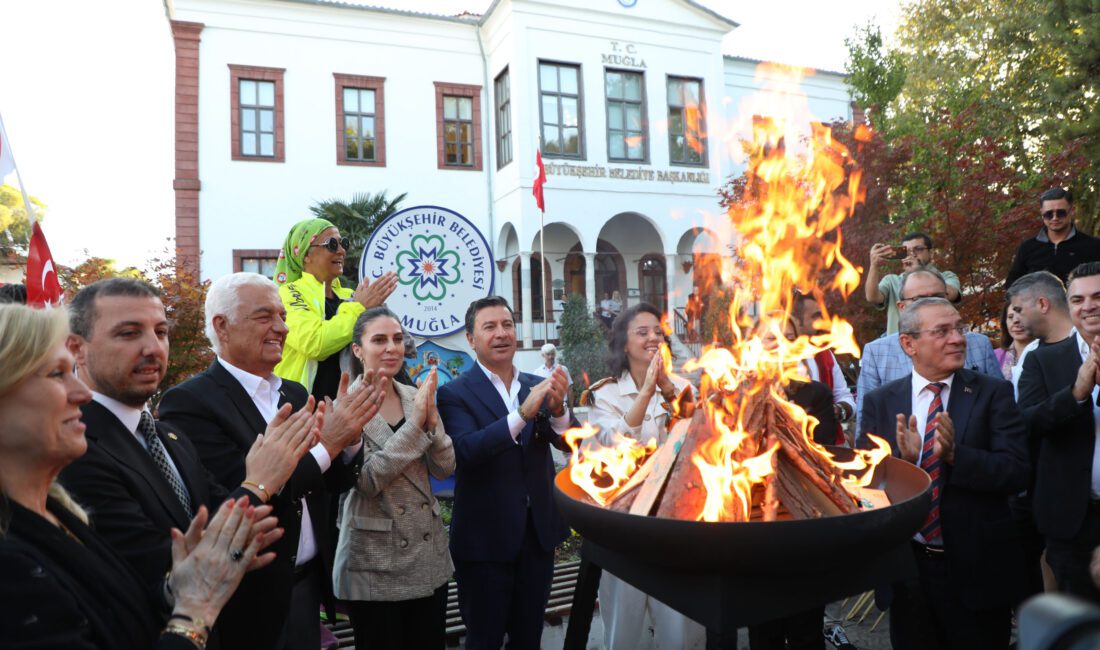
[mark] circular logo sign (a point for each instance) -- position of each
(628, 3)
(442, 262)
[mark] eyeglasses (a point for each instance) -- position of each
(916, 250)
(942, 332)
(644, 332)
(1060, 213)
(332, 243)
(925, 295)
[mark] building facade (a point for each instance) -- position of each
(282, 103)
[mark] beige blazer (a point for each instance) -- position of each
(392, 544)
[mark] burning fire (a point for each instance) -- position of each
(787, 222)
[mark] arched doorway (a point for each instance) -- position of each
(654, 289)
(539, 301)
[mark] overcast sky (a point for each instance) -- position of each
(86, 97)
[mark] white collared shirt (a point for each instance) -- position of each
(130, 418)
(1083, 348)
(510, 396)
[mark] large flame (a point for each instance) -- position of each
(799, 188)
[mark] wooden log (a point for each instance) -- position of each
(664, 460)
(806, 461)
(685, 495)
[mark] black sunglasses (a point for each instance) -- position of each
(1060, 213)
(332, 243)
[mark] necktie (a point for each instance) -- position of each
(932, 464)
(160, 459)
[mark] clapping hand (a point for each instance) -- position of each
(351, 411)
(424, 413)
(276, 452)
(909, 440)
(371, 294)
(944, 444)
(555, 394)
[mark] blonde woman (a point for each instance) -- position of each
(63, 586)
(392, 563)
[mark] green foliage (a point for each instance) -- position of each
(875, 74)
(582, 344)
(15, 228)
(357, 219)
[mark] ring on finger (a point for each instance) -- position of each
(236, 555)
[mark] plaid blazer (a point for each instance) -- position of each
(884, 361)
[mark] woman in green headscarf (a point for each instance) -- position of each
(320, 312)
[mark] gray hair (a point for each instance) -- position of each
(548, 348)
(909, 322)
(223, 299)
(908, 274)
(1040, 284)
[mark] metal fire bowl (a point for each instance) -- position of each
(757, 548)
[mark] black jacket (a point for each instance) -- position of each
(222, 421)
(1039, 254)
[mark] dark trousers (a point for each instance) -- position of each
(401, 624)
(927, 613)
(302, 628)
(801, 631)
(1032, 542)
(1069, 558)
(496, 598)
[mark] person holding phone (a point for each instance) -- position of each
(914, 252)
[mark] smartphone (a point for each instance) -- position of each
(898, 253)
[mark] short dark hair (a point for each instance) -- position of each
(1083, 271)
(13, 293)
(1056, 194)
(1040, 284)
(366, 318)
(616, 346)
(918, 235)
(82, 313)
(482, 303)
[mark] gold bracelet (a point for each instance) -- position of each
(266, 496)
(194, 636)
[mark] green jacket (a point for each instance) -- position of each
(311, 337)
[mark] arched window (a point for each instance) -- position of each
(651, 271)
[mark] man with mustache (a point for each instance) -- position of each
(222, 409)
(1059, 396)
(140, 477)
(963, 429)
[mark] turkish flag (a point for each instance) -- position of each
(7, 162)
(43, 289)
(540, 180)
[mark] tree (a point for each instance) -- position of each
(357, 220)
(875, 74)
(582, 344)
(15, 228)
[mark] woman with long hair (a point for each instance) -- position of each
(392, 562)
(635, 401)
(63, 586)
(1014, 338)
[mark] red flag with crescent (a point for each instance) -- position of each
(43, 289)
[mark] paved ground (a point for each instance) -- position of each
(861, 635)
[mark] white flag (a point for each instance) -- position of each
(7, 163)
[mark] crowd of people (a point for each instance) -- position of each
(293, 474)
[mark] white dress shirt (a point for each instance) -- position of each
(544, 372)
(130, 418)
(922, 399)
(510, 395)
(264, 393)
(841, 394)
(1083, 348)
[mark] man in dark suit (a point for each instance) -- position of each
(505, 524)
(221, 411)
(139, 478)
(962, 428)
(1058, 395)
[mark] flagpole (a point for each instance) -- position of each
(542, 275)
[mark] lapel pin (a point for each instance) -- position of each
(966, 389)
(172, 436)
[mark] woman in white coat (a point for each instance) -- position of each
(392, 563)
(634, 401)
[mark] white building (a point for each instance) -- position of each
(281, 103)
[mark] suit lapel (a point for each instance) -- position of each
(113, 438)
(243, 404)
(486, 393)
(964, 392)
(525, 386)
